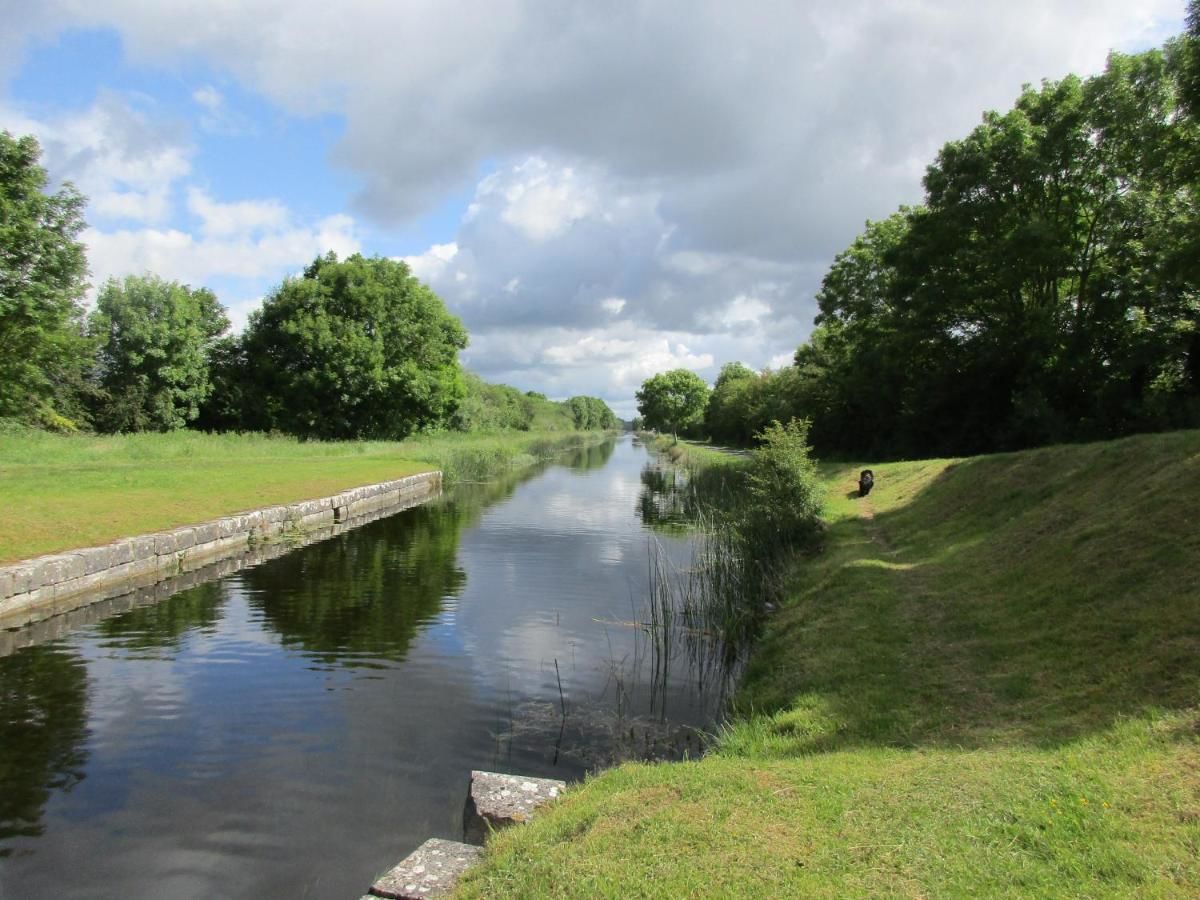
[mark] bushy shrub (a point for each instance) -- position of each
(785, 499)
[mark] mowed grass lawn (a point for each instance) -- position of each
(987, 684)
(58, 492)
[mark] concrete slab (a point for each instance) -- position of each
(497, 800)
(432, 870)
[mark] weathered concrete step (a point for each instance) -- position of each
(494, 801)
(432, 870)
(497, 801)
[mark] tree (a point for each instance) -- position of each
(355, 349)
(153, 343)
(672, 401)
(42, 272)
(1045, 291)
(591, 414)
(725, 416)
(1189, 48)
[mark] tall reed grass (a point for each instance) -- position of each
(749, 517)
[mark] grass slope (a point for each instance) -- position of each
(987, 683)
(59, 492)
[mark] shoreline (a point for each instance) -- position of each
(45, 586)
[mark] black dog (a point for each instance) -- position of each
(866, 481)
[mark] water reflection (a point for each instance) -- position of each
(162, 626)
(43, 726)
(594, 456)
(663, 502)
(363, 595)
(354, 682)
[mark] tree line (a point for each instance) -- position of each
(353, 348)
(1046, 290)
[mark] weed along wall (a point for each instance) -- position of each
(35, 589)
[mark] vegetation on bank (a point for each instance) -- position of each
(1046, 290)
(64, 491)
(356, 348)
(988, 682)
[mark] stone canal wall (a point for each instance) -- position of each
(35, 589)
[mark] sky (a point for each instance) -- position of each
(601, 191)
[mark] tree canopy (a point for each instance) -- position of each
(672, 401)
(354, 348)
(1047, 289)
(153, 340)
(42, 280)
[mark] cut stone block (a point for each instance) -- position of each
(497, 801)
(432, 870)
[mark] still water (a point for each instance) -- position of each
(296, 728)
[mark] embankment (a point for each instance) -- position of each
(45, 586)
(986, 683)
(60, 492)
(39, 587)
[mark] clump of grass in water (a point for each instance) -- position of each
(748, 522)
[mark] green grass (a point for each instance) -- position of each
(987, 683)
(58, 492)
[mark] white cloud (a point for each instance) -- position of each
(768, 127)
(542, 201)
(181, 256)
(208, 97)
(432, 263)
(217, 116)
(240, 218)
(613, 305)
(742, 310)
(125, 159)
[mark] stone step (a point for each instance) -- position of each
(497, 801)
(432, 870)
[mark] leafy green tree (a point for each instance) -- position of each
(727, 414)
(356, 348)
(153, 340)
(1188, 56)
(492, 407)
(591, 414)
(673, 401)
(1046, 290)
(42, 280)
(236, 399)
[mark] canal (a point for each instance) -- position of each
(297, 727)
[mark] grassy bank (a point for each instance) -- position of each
(987, 683)
(60, 491)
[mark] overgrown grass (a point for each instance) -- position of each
(988, 683)
(64, 491)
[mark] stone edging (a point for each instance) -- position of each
(34, 589)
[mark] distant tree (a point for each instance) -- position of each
(592, 414)
(672, 401)
(153, 339)
(725, 417)
(493, 407)
(42, 280)
(356, 348)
